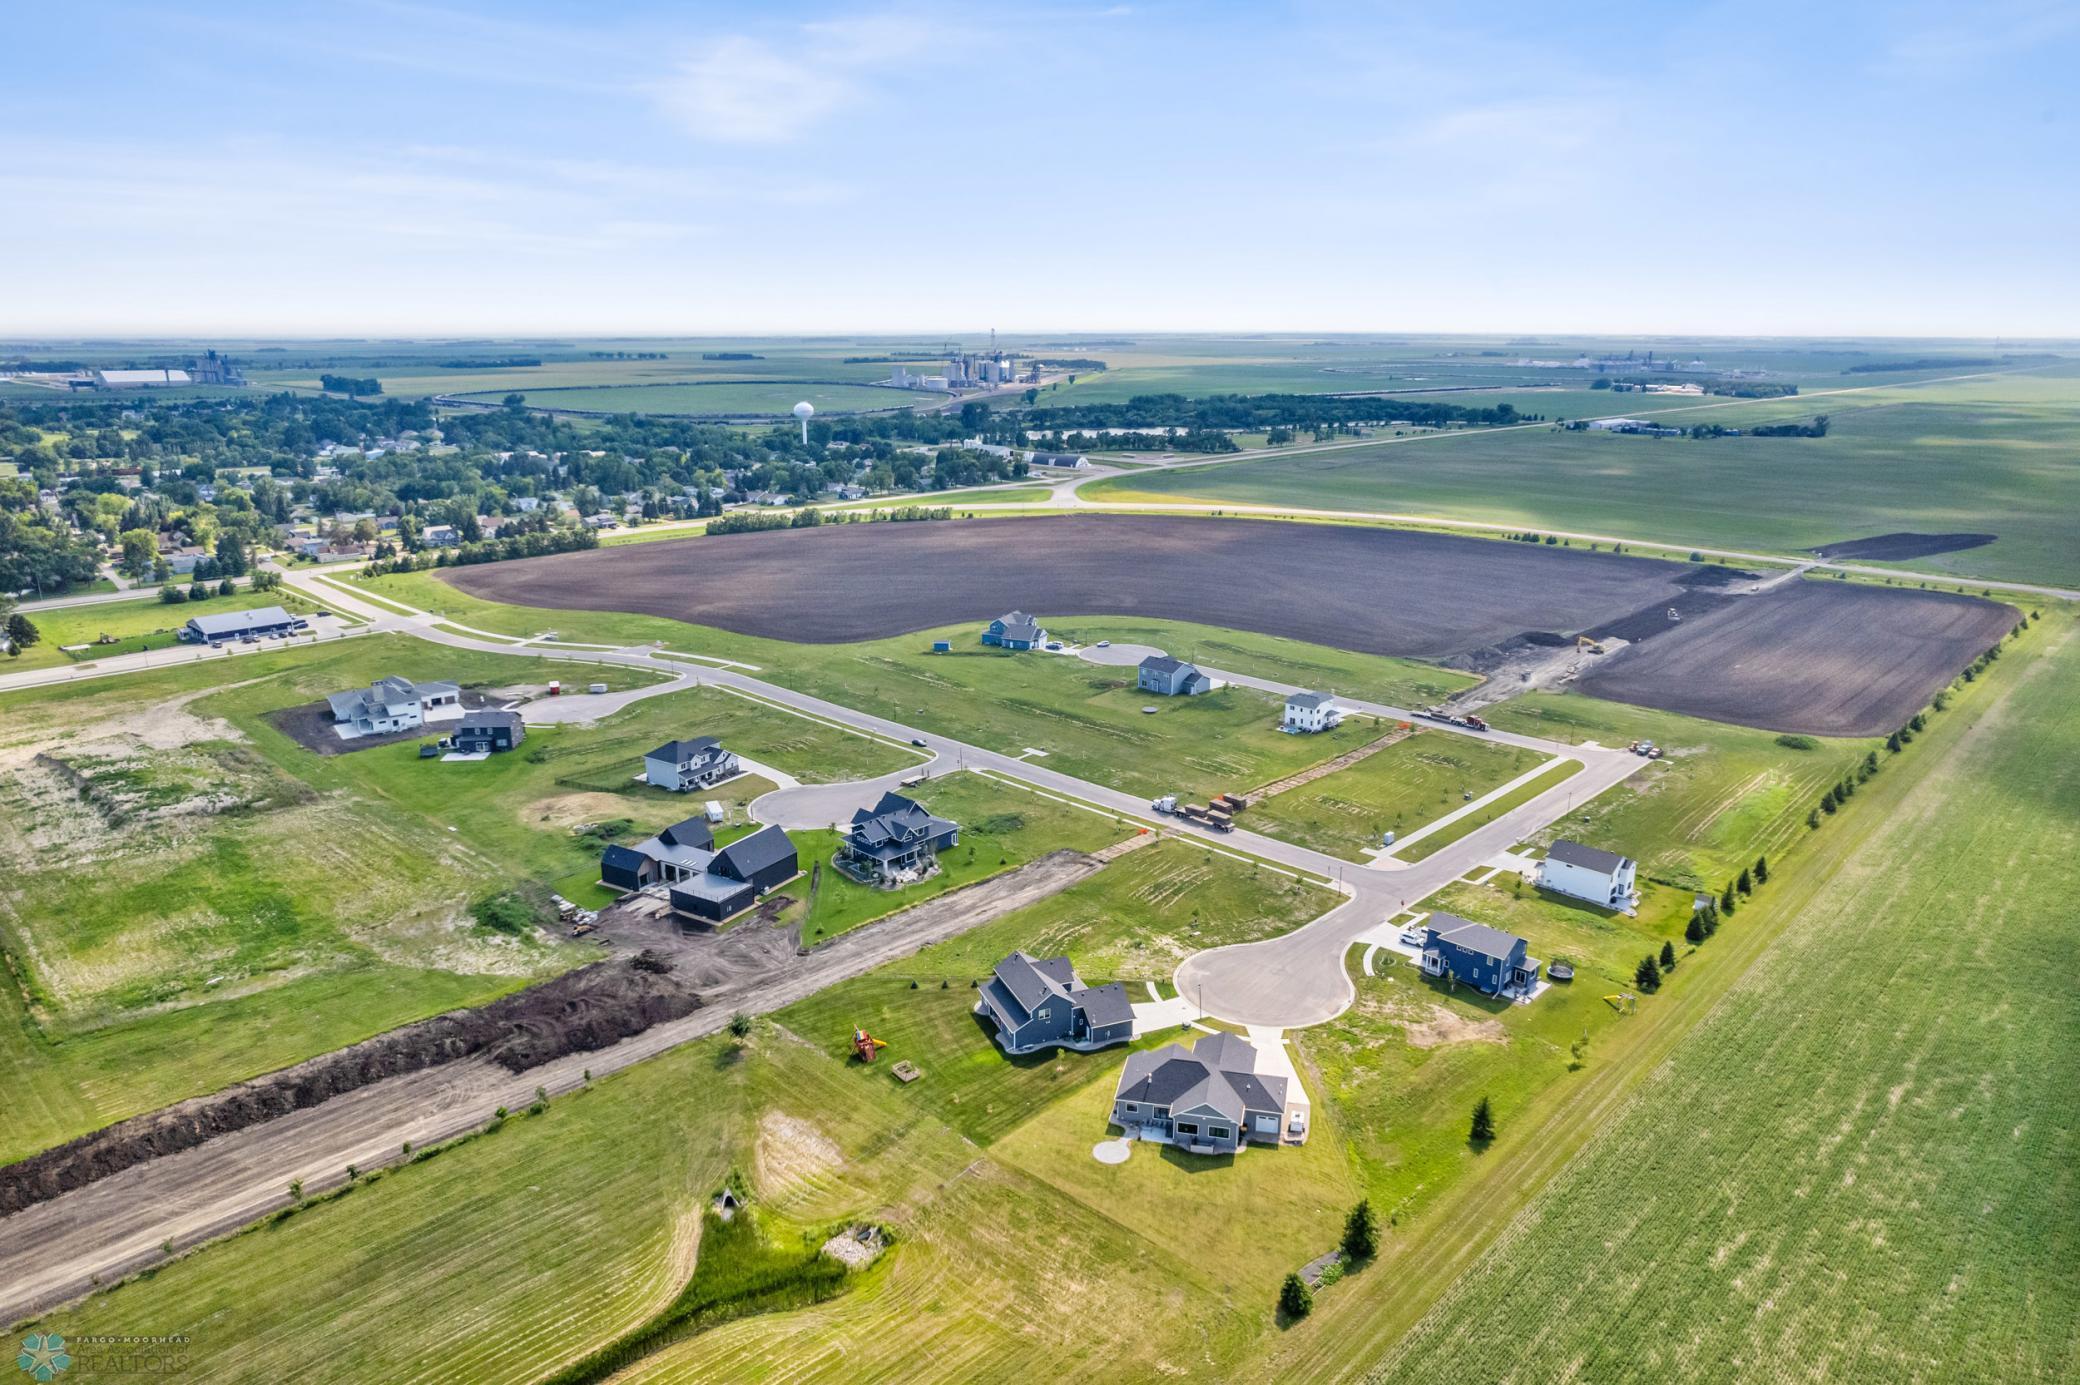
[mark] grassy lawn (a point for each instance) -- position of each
(131, 626)
(1412, 782)
(1557, 773)
(1121, 924)
(1722, 795)
(227, 864)
(1001, 828)
(1863, 1157)
(1971, 456)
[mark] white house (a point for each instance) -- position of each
(393, 704)
(1308, 712)
(1602, 877)
(683, 766)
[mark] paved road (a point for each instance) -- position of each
(55, 1251)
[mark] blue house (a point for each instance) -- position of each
(1016, 630)
(1170, 677)
(1489, 960)
(1041, 1003)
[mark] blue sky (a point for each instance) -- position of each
(443, 169)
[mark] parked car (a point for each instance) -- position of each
(1104, 644)
(917, 741)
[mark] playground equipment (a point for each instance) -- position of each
(865, 1045)
(1624, 1002)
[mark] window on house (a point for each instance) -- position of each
(1187, 1128)
(1131, 1107)
(1218, 1132)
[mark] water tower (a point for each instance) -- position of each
(802, 412)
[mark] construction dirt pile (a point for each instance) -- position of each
(579, 1012)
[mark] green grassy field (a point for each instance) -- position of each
(1402, 787)
(1549, 777)
(1002, 827)
(247, 902)
(1720, 797)
(1086, 717)
(1991, 456)
(1862, 1159)
(130, 626)
(734, 397)
(1123, 924)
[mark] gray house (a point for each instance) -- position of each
(1015, 630)
(1042, 1004)
(1209, 1099)
(1172, 677)
(1473, 954)
(683, 766)
(490, 729)
(895, 842)
(737, 875)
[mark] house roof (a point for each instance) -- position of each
(1310, 699)
(693, 832)
(1468, 936)
(749, 855)
(1162, 663)
(1587, 857)
(1218, 1074)
(490, 716)
(238, 622)
(626, 857)
(1104, 1005)
(896, 822)
(717, 888)
(1028, 981)
(686, 752)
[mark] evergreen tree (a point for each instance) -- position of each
(1762, 870)
(1870, 764)
(21, 633)
(1647, 975)
(1695, 933)
(1668, 956)
(1483, 1129)
(1894, 744)
(1726, 905)
(1361, 1232)
(1295, 1299)
(1746, 883)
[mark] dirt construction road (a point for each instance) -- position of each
(53, 1252)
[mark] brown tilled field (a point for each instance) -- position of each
(1378, 591)
(1824, 658)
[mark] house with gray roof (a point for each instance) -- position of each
(1040, 1003)
(1601, 877)
(737, 876)
(1473, 954)
(1170, 677)
(1015, 630)
(489, 729)
(1308, 712)
(683, 766)
(390, 705)
(680, 851)
(1212, 1098)
(895, 843)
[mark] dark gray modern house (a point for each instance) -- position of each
(1040, 1003)
(1172, 677)
(682, 850)
(489, 729)
(1489, 960)
(1211, 1098)
(894, 843)
(736, 876)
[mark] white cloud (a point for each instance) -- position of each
(740, 89)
